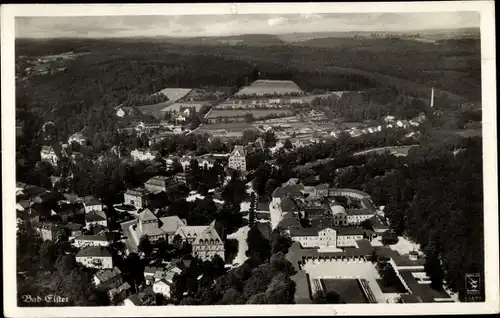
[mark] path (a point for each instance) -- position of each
(241, 236)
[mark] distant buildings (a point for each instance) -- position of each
(144, 154)
(237, 159)
(95, 257)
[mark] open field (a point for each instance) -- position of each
(263, 87)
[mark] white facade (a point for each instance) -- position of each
(162, 287)
(348, 240)
(97, 207)
(95, 261)
(143, 155)
(325, 238)
(354, 219)
(275, 212)
(82, 242)
(237, 159)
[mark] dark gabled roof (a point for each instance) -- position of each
(74, 226)
(349, 231)
(33, 192)
(93, 217)
(94, 251)
(106, 274)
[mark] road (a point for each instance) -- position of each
(403, 150)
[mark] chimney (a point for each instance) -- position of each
(432, 98)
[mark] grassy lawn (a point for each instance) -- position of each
(348, 289)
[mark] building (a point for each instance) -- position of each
(159, 184)
(92, 204)
(119, 293)
(237, 159)
(347, 236)
(95, 257)
(146, 297)
(48, 154)
(74, 229)
(49, 231)
(144, 154)
(67, 210)
(156, 228)
(137, 197)
(95, 218)
(206, 241)
(163, 287)
(180, 177)
(108, 278)
(78, 138)
(83, 241)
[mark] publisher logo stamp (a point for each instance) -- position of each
(472, 284)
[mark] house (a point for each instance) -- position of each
(158, 184)
(78, 138)
(92, 204)
(74, 229)
(95, 218)
(237, 159)
(119, 293)
(163, 287)
(48, 154)
(49, 231)
(146, 297)
(83, 241)
(137, 197)
(64, 211)
(95, 257)
(151, 274)
(108, 278)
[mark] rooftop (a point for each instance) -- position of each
(94, 251)
(94, 217)
(106, 274)
(98, 237)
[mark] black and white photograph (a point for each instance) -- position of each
(323, 157)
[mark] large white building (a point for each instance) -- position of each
(83, 241)
(143, 154)
(207, 241)
(95, 257)
(237, 159)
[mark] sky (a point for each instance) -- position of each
(221, 25)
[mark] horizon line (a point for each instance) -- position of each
(242, 34)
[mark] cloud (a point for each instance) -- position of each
(214, 25)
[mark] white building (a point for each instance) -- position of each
(136, 197)
(237, 159)
(347, 237)
(95, 257)
(163, 287)
(49, 155)
(143, 154)
(91, 240)
(91, 204)
(78, 138)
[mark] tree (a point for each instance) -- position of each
(280, 241)
(288, 144)
(270, 139)
(249, 135)
(145, 246)
(432, 265)
(329, 297)
(259, 249)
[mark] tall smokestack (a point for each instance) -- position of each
(432, 98)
